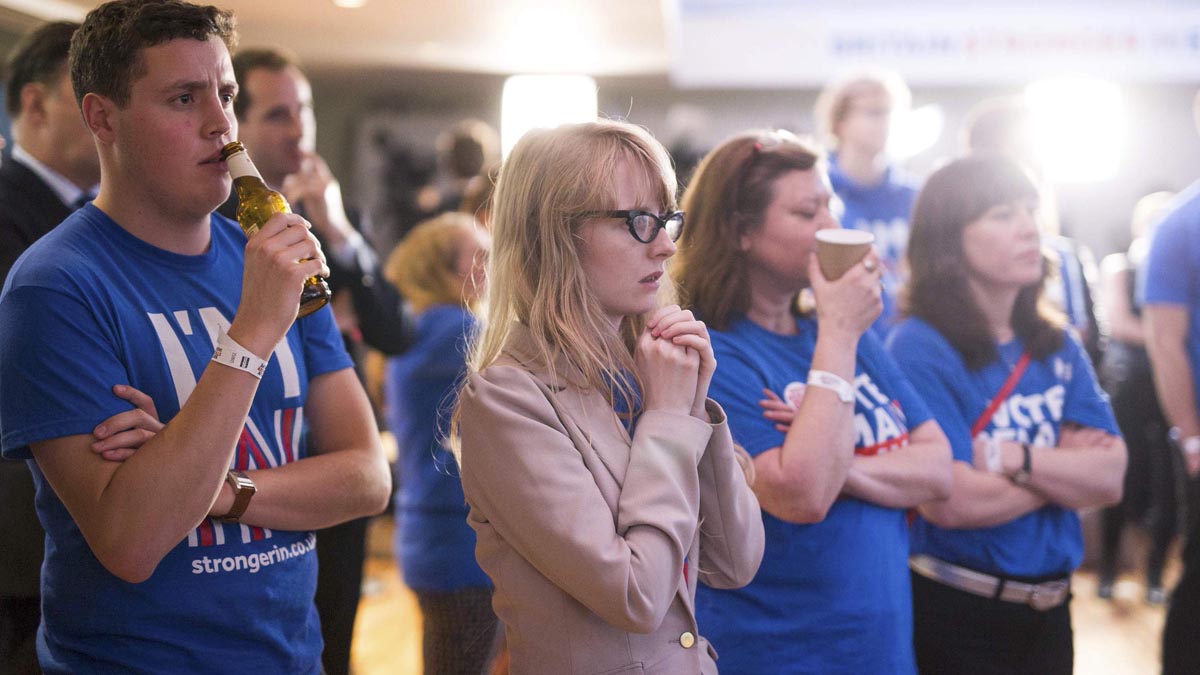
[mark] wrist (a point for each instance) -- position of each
(223, 501)
(1024, 472)
(242, 489)
(838, 332)
(257, 343)
(1189, 445)
(832, 382)
(1011, 458)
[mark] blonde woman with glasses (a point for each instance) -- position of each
(602, 482)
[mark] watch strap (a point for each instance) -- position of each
(827, 380)
(243, 490)
(1022, 476)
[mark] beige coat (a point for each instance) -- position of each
(587, 534)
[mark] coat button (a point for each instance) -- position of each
(687, 640)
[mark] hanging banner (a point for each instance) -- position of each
(776, 44)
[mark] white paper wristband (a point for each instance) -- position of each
(1190, 445)
(992, 455)
(230, 353)
(827, 380)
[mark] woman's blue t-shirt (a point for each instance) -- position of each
(1059, 388)
(433, 543)
(833, 596)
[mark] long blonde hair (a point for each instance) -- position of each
(534, 275)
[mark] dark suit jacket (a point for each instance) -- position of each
(384, 319)
(29, 208)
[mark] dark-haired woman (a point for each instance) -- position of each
(1031, 431)
(857, 446)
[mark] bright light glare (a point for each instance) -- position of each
(1078, 128)
(915, 131)
(350, 4)
(537, 101)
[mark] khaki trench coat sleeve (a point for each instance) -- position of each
(521, 470)
(731, 527)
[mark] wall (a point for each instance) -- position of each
(1162, 147)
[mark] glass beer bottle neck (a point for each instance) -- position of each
(240, 166)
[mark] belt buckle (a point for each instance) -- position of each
(1048, 595)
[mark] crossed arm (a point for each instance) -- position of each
(1086, 469)
(133, 512)
(901, 479)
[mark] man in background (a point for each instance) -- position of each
(276, 124)
(1170, 297)
(855, 113)
(51, 171)
(53, 168)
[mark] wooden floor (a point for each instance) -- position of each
(1117, 637)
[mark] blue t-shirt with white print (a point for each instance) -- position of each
(883, 209)
(1059, 388)
(89, 306)
(833, 596)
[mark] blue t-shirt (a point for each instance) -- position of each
(833, 596)
(884, 210)
(89, 306)
(1172, 271)
(1059, 388)
(434, 544)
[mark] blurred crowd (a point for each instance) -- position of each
(637, 422)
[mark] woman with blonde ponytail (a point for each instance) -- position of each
(602, 482)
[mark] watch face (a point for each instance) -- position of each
(241, 483)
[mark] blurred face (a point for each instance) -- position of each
(622, 272)
(778, 250)
(74, 149)
(867, 122)
(278, 127)
(472, 262)
(1002, 247)
(168, 139)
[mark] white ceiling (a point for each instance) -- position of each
(596, 37)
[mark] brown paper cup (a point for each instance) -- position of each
(839, 250)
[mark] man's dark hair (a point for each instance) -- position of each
(40, 56)
(106, 50)
(246, 60)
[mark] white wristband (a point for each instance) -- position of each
(827, 380)
(230, 353)
(1190, 445)
(992, 456)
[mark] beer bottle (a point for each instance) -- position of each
(256, 204)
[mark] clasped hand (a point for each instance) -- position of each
(675, 359)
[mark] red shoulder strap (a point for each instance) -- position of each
(1005, 390)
